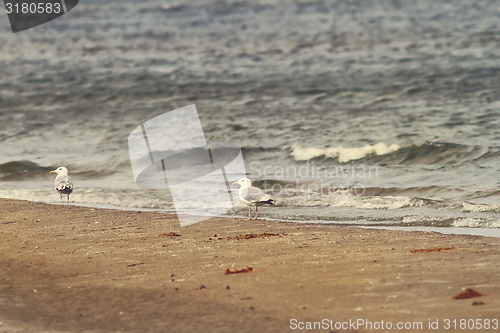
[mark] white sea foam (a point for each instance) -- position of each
(471, 222)
(427, 220)
(300, 153)
(350, 200)
(472, 207)
(388, 202)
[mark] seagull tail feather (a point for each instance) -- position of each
(267, 202)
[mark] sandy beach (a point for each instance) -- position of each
(79, 269)
(362, 113)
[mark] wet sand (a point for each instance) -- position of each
(79, 269)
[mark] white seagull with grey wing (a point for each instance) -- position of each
(63, 183)
(252, 196)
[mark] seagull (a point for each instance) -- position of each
(252, 196)
(63, 183)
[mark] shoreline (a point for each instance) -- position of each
(74, 269)
(472, 231)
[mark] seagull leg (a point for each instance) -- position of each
(249, 213)
(256, 212)
(60, 195)
(68, 200)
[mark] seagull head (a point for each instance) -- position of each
(243, 182)
(60, 171)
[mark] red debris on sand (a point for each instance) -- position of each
(142, 263)
(264, 235)
(171, 234)
(467, 293)
(237, 271)
(435, 249)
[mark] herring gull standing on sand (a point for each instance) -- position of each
(252, 196)
(63, 183)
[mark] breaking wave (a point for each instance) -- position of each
(342, 154)
(440, 153)
(477, 207)
(348, 199)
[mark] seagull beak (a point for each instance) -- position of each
(235, 183)
(53, 171)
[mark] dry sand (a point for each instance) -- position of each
(79, 269)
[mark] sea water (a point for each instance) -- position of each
(381, 114)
